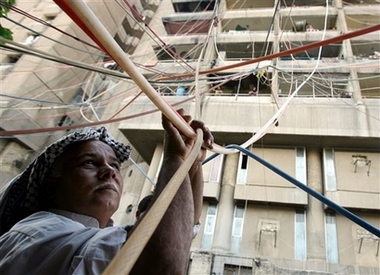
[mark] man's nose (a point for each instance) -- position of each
(107, 171)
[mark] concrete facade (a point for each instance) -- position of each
(253, 220)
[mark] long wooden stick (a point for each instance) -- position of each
(130, 252)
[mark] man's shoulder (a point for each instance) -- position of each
(44, 222)
(45, 216)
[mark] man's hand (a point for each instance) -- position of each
(176, 144)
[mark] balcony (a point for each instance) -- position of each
(193, 5)
(187, 24)
(243, 5)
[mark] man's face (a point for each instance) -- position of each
(89, 180)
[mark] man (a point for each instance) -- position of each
(252, 91)
(143, 206)
(55, 217)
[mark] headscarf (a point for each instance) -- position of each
(22, 195)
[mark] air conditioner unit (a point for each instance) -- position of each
(51, 11)
(300, 26)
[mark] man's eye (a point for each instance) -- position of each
(116, 165)
(89, 161)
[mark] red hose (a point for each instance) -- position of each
(67, 9)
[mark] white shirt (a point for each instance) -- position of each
(59, 243)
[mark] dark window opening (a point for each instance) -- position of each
(244, 162)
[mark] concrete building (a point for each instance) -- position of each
(326, 136)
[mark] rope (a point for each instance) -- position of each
(128, 255)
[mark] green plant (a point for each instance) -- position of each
(4, 9)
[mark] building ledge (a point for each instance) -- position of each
(211, 190)
(350, 199)
(273, 194)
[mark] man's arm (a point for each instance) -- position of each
(167, 251)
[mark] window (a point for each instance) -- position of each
(216, 169)
(300, 235)
(329, 167)
(301, 165)
(237, 229)
(13, 58)
(230, 269)
(331, 239)
(242, 171)
(209, 227)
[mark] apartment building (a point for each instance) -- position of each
(313, 114)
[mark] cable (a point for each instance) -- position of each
(63, 60)
(141, 171)
(197, 111)
(167, 47)
(269, 29)
(288, 52)
(274, 119)
(49, 38)
(43, 22)
(32, 99)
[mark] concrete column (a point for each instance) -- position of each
(276, 46)
(209, 55)
(200, 264)
(315, 209)
(353, 86)
(276, 31)
(222, 7)
(337, 4)
(223, 226)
